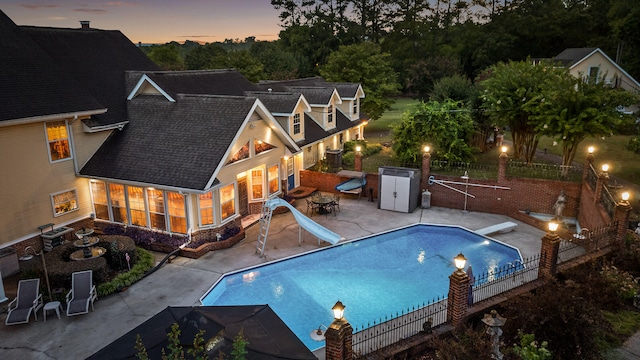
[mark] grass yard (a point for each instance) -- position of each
(379, 131)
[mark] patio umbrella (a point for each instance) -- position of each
(470, 295)
(268, 337)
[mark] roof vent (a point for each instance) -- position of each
(269, 89)
(84, 24)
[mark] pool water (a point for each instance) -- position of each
(373, 277)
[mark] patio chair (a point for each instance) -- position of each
(336, 202)
(27, 300)
(311, 206)
(82, 293)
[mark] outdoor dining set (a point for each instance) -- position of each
(323, 204)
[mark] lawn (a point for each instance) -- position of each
(379, 131)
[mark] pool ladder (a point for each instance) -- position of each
(265, 222)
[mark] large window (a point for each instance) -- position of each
(296, 124)
(155, 199)
(136, 206)
(257, 184)
(64, 202)
(118, 203)
(330, 114)
(274, 181)
(206, 208)
(58, 140)
(228, 201)
(177, 214)
(100, 202)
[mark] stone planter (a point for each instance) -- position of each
(212, 246)
(163, 248)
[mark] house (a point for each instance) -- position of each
(184, 153)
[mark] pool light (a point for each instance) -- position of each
(460, 261)
(318, 334)
(553, 226)
(338, 310)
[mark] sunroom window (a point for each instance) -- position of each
(118, 203)
(136, 206)
(177, 214)
(155, 199)
(100, 202)
(206, 208)
(274, 181)
(228, 201)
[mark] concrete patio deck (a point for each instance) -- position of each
(183, 281)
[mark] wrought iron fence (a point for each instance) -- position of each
(544, 171)
(500, 280)
(586, 241)
(592, 177)
(474, 170)
(607, 201)
(372, 164)
(367, 339)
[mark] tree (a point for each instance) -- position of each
(508, 87)
(167, 56)
(201, 56)
(278, 64)
(241, 60)
(445, 126)
(365, 64)
(569, 109)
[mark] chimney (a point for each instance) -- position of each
(84, 24)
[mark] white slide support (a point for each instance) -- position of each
(311, 226)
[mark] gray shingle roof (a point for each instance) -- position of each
(277, 102)
(314, 95)
(314, 132)
(209, 82)
(32, 83)
(345, 89)
(176, 144)
(97, 59)
(568, 57)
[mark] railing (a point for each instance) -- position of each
(476, 171)
(592, 177)
(587, 241)
(607, 201)
(544, 171)
(393, 329)
(504, 279)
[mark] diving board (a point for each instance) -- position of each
(304, 222)
(502, 228)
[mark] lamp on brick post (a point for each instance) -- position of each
(426, 167)
(621, 216)
(603, 179)
(457, 300)
(549, 252)
(358, 159)
(339, 336)
(503, 159)
(588, 162)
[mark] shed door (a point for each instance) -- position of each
(394, 193)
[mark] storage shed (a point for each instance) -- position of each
(399, 188)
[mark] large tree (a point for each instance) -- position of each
(569, 110)
(445, 126)
(508, 88)
(365, 64)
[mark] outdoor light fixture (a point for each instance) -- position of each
(605, 167)
(358, 148)
(318, 334)
(553, 226)
(427, 148)
(338, 310)
(460, 261)
(591, 149)
(625, 196)
(504, 149)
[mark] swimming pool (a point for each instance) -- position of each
(373, 276)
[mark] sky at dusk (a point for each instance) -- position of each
(155, 21)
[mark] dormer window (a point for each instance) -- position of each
(355, 106)
(330, 114)
(296, 124)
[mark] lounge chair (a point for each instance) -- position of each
(27, 300)
(82, 293)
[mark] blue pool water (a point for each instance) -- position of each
(373, 276)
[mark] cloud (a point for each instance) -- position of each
(91, 11)
(197, 36)
(57, 18)
(38, 6)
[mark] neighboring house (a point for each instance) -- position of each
(592, 64)
(178, 152)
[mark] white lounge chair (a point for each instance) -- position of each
(502, 228)
(82, 293)
(27, 300)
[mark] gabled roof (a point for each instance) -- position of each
(205, 82)
(314, 132)
(346, 90)
(280, 103)
(349, 90)
(268, 336)
(97, 59)
(33, 85)
(174, 144)
(571, 56)
(319, 96)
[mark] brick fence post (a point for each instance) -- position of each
(503, 159)
(426, 170)
(457, 300)
(339, 341)
(549, 255)
(621, 216)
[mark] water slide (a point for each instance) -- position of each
(306, 223)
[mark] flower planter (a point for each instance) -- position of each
(163, 248)
(212, 246)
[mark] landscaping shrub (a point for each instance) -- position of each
(145, 262)
(60, 267)
(118, 246)
(145, 237)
